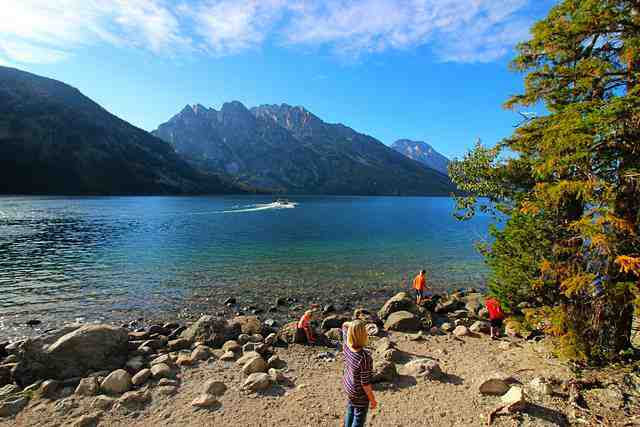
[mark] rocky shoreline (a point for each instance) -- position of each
(123, 369)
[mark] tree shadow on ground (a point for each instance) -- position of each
(547, 414)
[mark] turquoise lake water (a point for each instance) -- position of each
(64, 258)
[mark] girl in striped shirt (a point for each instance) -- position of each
(356, 380)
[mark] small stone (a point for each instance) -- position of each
(480, 326)
(12, 407)
(179, 344)
(257, 381)
(89, 420)
(158, 329)
(541, 386)
(166, 381)
(137, 336)
(243, 339)
(276, 362)
(135, 363)
(48, 388)
(446, 327)
(204, 401)
(201, 352)
(515, 398)
(271, 323)
(276, 375)
(116, 382)
(141, 377)
(230, 301)
(281, 301)
(162, 370)
(184, 359)
(494, 386)
(461, 331)
(228, 356)
(103, 402)
(256, 338)
(165, 358)
(214, 387)
(88, 387)
(256, 364)
(135, 398)
(232, 346)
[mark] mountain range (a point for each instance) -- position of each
(423, 153)
(288, 149)
(55, 140)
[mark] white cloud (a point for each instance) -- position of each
(455, 30)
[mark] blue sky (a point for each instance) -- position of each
(432, 70)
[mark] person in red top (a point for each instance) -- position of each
(304, 327)
(419, 285)
(496, 316)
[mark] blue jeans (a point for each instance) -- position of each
(355, 417)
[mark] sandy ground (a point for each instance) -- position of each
(313, 396)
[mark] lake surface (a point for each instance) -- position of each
(100, 258)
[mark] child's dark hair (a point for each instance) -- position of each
(424, 272)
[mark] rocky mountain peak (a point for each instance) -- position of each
(423, 153)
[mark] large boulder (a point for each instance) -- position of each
(249, 325)
(85, 349)
(211, 330)
(402, 321)
(423, 368)
(401, 301)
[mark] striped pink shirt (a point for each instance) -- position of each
(357, 372)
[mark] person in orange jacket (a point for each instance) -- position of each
(419, 285)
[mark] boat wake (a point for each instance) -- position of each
(261, 207)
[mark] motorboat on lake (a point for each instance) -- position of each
(284, 204)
